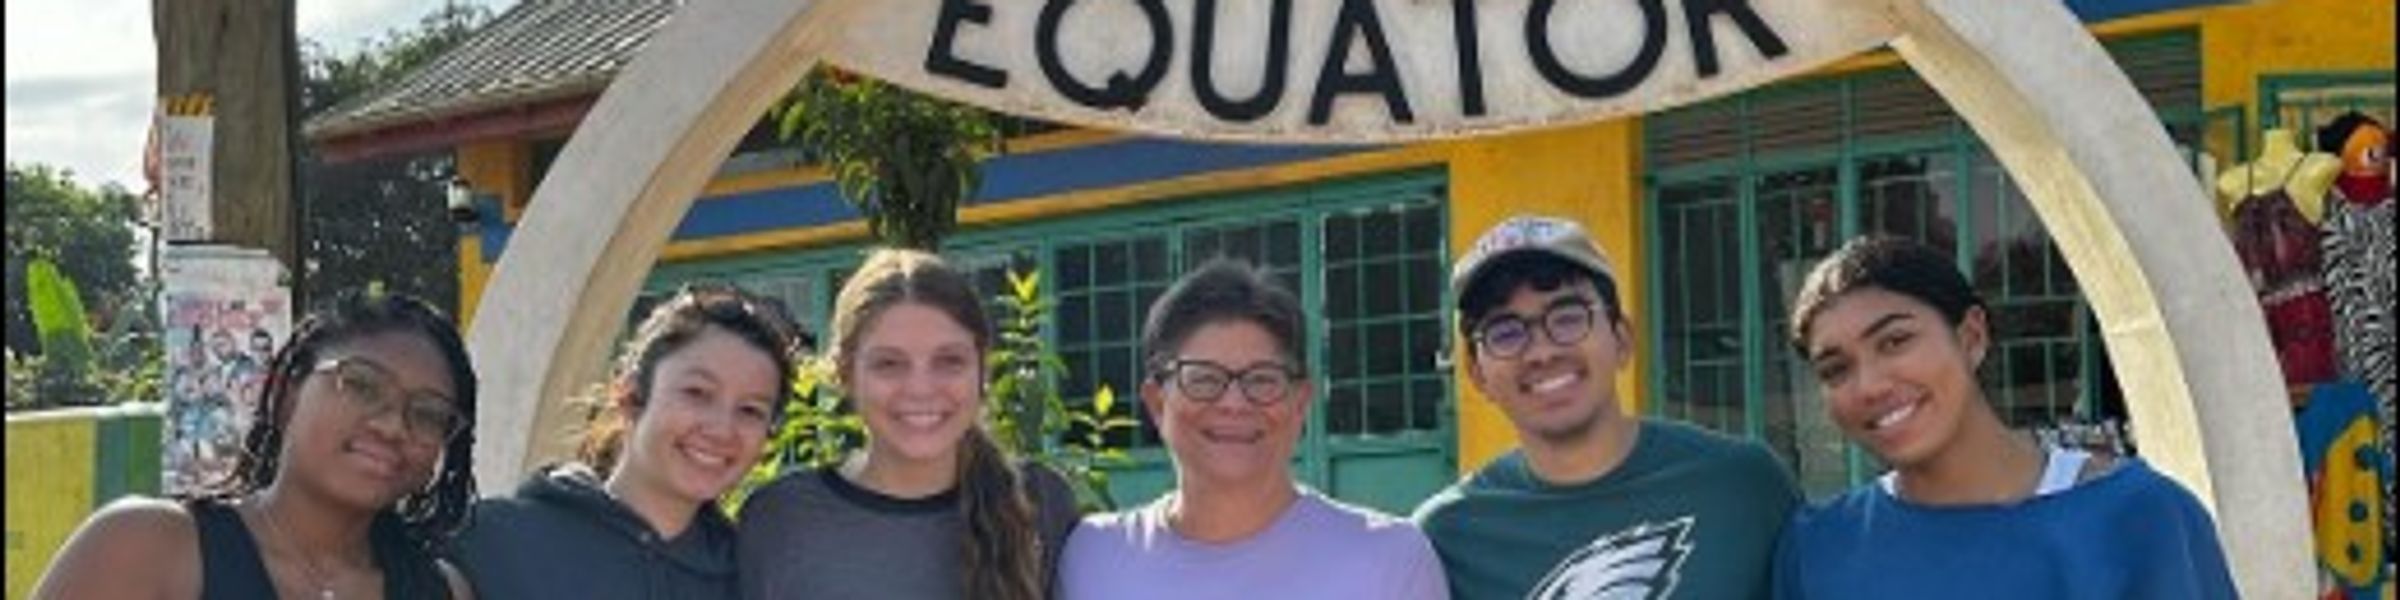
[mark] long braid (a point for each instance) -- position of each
(1001, 556)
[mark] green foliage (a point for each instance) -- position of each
(817, 430)
(381, 218)
(1026, 415)
(905, 160)
(75, 366)
(24, 379)
(1030, 418)
(328, 79)
(88, 233)
(58, 317)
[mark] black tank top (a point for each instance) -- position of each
(232, 568)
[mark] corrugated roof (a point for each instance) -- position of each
(537, 50)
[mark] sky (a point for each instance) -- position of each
(82, 74)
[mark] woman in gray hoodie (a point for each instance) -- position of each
(694, 398)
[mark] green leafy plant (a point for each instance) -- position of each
(817, 430)
(66, 373)
(1030, 418)
(58, 315)
(1026, 415)
(905, 160)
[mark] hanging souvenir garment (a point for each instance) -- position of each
(2275, 234)
(2359, 272)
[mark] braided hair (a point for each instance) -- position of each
(407, 535)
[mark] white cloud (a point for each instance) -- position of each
(81, 74)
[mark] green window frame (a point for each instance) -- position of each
(2305, 101)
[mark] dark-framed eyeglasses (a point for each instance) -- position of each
(1263, 384)
(1507, 335)
(371, 387)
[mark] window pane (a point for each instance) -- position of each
(1425, 396)
(1386, 407)
(1383, 277)
(1073, 320)
(1343, 412)
(1700, 320)
(1341, 293)
(1386, 355)
(1796, 216)
(1383, 288)
(1150, 259)
(1341, 238)
(1283, 243)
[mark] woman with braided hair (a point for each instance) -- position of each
(357, 470)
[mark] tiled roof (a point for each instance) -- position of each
(538, 50)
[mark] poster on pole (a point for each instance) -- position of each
(225, 309)
(182, 140)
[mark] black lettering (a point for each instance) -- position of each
(1470, 57)
(1704, 44)
(1358, 18)
(941, 59)
(1654, 42)
(1125, 92)
(1270, 88)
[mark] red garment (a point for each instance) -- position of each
(2281, 252)
(2370, 190)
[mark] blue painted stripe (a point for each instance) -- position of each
(2093, 11)
(1008, 178)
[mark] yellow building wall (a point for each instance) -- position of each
(499, 168)
(49, 491)
(1589, 173)
(472, 274)
(2240, 43)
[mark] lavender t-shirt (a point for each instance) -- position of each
(1317, 548)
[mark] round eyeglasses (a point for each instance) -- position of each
(1507, 335)
(371, 387)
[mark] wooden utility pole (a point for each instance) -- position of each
(244, 56)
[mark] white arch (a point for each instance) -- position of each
(2187, 339)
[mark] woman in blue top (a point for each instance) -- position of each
(1971, 508)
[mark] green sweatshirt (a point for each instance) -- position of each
(1688, 514)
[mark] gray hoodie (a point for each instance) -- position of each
(562, 536)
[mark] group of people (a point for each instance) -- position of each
(355, 481)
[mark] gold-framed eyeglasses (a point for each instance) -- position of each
(372, 388)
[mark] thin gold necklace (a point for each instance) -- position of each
(308, 563)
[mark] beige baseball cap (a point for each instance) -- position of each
(1523, 234)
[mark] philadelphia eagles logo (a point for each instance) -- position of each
(1642, 562)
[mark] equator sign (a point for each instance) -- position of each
(1353, 70)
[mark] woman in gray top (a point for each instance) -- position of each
(931, 508)
(687, 415)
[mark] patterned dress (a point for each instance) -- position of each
(2359, 275)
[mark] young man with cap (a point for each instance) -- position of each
(1595, 502)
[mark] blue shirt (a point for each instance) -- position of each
(2129, 533)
